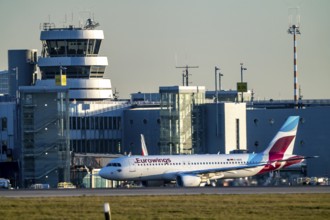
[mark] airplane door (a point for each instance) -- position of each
(132, 166)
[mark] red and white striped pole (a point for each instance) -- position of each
(295, 30)
(295, 70)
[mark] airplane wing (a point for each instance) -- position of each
(203, 176)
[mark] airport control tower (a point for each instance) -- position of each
(70, 109)
(73, 51)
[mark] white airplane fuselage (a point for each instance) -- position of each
(168, 167)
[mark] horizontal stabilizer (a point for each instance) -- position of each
(294, 158)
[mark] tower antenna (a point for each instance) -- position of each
(185, 75)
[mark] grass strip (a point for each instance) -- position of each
(271, 206)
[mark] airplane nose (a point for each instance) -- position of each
(103, 173)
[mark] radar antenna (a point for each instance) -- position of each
(90, 24)
(185, 74)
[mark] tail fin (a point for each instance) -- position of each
(144, 146)
(283, 142)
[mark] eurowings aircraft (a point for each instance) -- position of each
(199, 170)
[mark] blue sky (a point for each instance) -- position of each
(146, 39)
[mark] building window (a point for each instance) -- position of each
(302, 120)
(4, 147)
(255, 121)
(73, 124)
(4, 124)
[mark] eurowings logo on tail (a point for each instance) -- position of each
(280, 149)
(283, 143)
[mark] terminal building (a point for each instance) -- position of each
(60, 121)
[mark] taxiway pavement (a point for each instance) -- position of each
(143, 191)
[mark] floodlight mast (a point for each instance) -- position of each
(220, 84)
(294, 30)
(215, 82)
(242, 69)
(185, 75)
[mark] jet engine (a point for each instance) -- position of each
(187, 180)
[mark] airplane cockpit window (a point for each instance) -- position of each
(113, 165)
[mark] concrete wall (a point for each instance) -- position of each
(220, 127)
(21, 65)
(234, 140)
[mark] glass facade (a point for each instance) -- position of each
(79, 72)
(4, 82)
(71, 48)
(98, 134)
(44, 137)
(181, 127)
(79, 48)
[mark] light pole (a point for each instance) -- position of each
(216, 81)
(216, 100)
(220, 87)
(242, 69)
(294, 30)
(16, 84)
